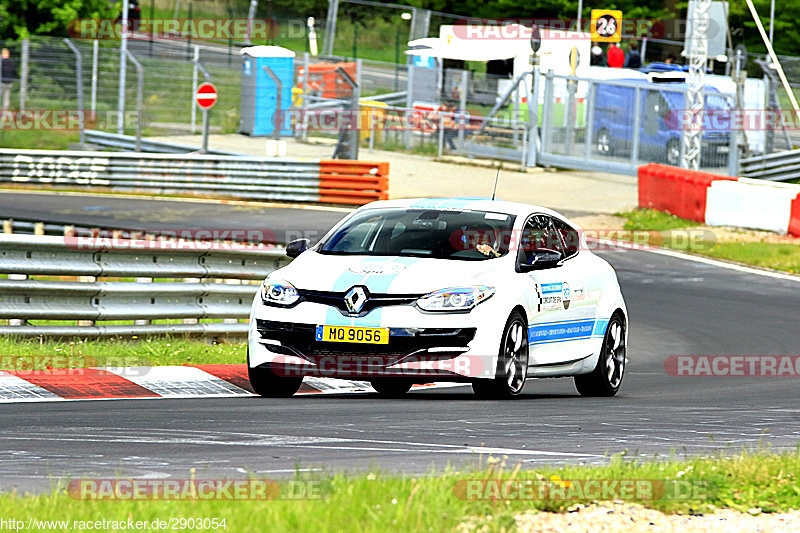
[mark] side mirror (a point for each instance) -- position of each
(542, 259)
(295, 248)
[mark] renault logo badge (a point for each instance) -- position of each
(355, 299)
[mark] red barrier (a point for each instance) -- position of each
(794, 219)
(679, 191)
(342, 181)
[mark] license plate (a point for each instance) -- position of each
(356, 335)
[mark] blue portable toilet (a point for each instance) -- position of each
(259, 100)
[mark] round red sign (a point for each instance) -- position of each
(206, 96)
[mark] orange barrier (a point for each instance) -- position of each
(794, 218)
(679, 191)
(343, 181)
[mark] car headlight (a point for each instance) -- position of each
(455, 299)
(278, 292)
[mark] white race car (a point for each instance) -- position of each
(421, 290)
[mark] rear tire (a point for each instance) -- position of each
(606, 378)
(391, 388)
(512, 363)
(267, 384)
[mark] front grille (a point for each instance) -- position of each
(374, 301)
(300, 339)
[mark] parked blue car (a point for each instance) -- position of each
(662, 114)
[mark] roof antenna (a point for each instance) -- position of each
(497, 177)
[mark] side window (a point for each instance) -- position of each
(539, 233)
(569, 236)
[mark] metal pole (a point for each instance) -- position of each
(771, 19)
(409, 104)
(306, 95)
(590, 104)
(194, 86)
(23, 82)
(441, 132)
(533, 118)
(644, 49)
(251, 14)
(696, 81)
(330, 28)
(463, 108)
(205, 131)
(580, 10)
(139, 99)
(276, 131)
(79, 83)
(123, 49)
(637, 106)
(95, 52)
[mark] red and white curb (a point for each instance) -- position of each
(205, 381)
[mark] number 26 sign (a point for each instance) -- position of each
(606, 25)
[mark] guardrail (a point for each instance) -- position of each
(257, 178)
(128, 143)
(778, 166)
(223, 283)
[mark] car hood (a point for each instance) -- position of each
(390, 275)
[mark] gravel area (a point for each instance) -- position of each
(614, 517)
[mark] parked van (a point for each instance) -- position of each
(662, 117)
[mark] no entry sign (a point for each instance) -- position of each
(206, 96)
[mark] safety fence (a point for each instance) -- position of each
(219, 281)
(257, 178)
(720, 200)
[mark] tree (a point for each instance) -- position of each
(21, 18)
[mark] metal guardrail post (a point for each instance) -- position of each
(733, 153)
(139, 98)
(409, 104)
(441, 132)
(79, 83)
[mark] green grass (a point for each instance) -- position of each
(378, 501)
(152, 351)
(665, 231)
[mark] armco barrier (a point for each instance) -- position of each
(720, 200)
(224, 281)
(257, 178)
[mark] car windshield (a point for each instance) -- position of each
(436, 233)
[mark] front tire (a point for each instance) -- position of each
(267, 384)
(512, 363)
(606, 378)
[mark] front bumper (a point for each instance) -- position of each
(422, 346)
